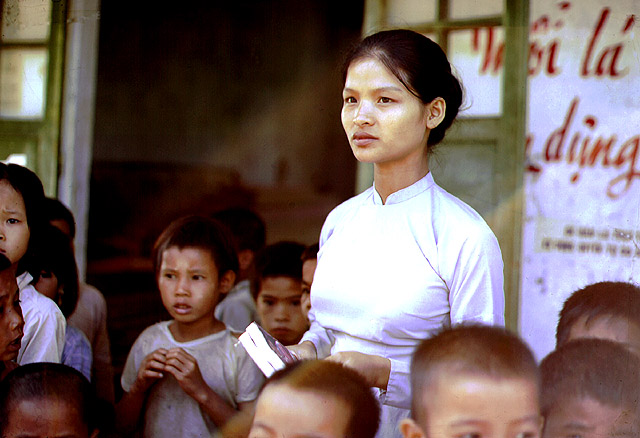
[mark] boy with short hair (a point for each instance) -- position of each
(188, 376)
(590, 389)
(473, 380)
(316, 399)
(279, 292)
(606, 310)
(47, 399)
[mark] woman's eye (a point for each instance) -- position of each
(13, 221)
(168, 275)
(349, 99)
(529, 434)
(385, 100)
(197, 277)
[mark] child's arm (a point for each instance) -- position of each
(184, 368)
(129, 407)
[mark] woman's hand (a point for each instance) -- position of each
(375, 369)
(304, 351)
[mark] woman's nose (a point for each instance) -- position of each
(363, 115)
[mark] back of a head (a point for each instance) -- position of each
(481, 350)
(201, 233)
(37, 381)
(247, 227)
(596, 369)
(55, 210)
(55, 255)
(281, 259)
(604, 299)
(337, 381)
(419, 64)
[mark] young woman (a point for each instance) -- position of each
(405, 258)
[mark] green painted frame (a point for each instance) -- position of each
(40, 139)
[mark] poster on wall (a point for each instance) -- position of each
(582, 185)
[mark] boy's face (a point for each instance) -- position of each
(14, 229)
(190, 288)
(45, 418)
(467, 405)
(284, 412)
(588, 418)
(278, 306)
(11, 322)
(609, 328)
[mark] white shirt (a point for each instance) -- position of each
(238, 309)
(44, 325)
(390, 275)
(225, 367)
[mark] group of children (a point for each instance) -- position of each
(475, 381)
(189, 376)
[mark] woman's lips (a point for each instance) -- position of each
(361, 138)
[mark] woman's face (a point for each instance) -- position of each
(385, 123)
(14, 229)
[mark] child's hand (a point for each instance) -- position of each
(184, 368)
(150, 370)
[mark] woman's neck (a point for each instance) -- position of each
(390, 180)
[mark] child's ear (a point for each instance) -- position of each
(410, 429)
(227, 282)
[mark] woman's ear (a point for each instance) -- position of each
(436, 110)
(227, 281)
(410, 429)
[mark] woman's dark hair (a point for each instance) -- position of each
(54, 254)
(200, 233)
(42, 380)
(27, 183)
(419, 64)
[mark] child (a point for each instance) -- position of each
(187, 376)
(90, 314)
(238, 308)
(279, 292)
(590, 389)
(309, 263)
(11, 322)
(606, 310)
(58, 280)
(316, 399)
(47, 400)
(473, 381)
(21, 197)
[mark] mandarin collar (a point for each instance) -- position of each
(407, 193)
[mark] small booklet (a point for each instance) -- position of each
(265, 350)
